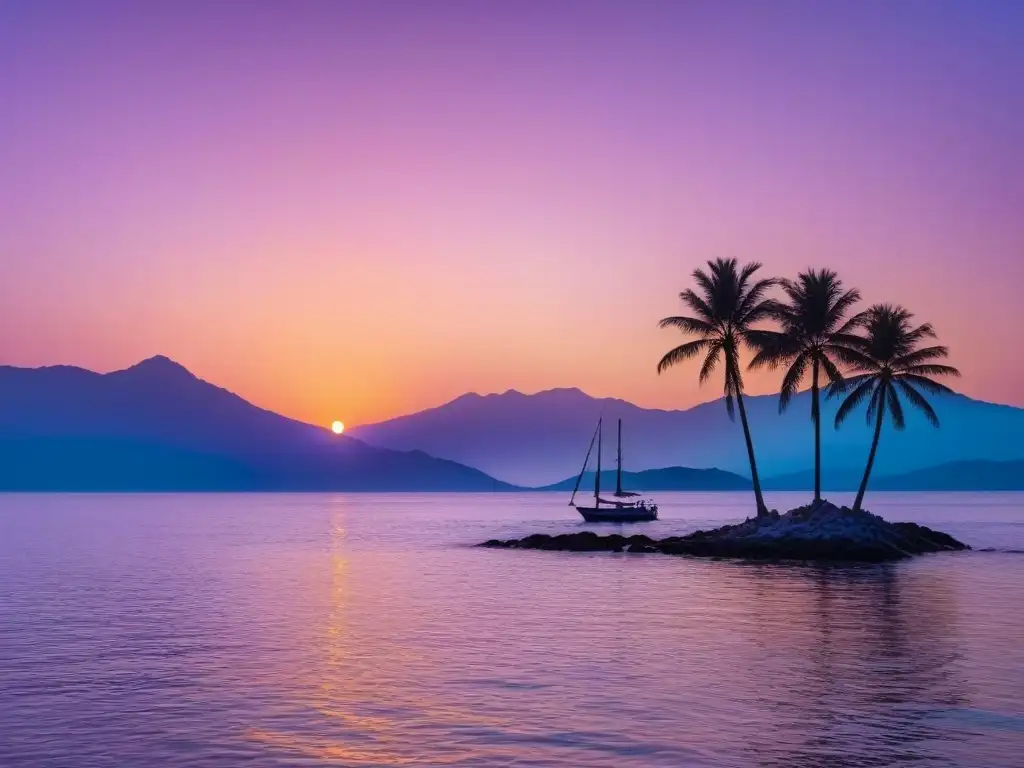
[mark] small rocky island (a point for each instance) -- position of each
(820, 531)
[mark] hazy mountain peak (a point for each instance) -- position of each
(564, 393)
(156, 426)
(159, 365)
(536, 439)
(574, 392)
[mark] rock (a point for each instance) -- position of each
(938, 538)
(641, 548)
(818, 531)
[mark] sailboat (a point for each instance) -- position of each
(613, 511)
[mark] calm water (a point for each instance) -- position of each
(269, 630)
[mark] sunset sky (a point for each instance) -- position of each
(350, 211)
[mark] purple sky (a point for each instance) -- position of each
(354, 210)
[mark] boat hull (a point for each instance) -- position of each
(618, 514)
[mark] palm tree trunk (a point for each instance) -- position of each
(761, 508)
(874, 447)
(816, 417)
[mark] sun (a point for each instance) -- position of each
(337, 427)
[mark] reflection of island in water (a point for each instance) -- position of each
(880, 667)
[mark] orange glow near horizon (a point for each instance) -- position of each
(508, 201)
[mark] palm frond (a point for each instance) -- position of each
(930, 386)
(877, 401)
(688, 325)
(847, 383)
(752, 305)
(772, 348)
(791, 381)
(918, 401)
(794, 291)
(831, 371)
(753, 293)
(889, 357)
(711, 361)
(923, 331)
(704, 282)
(855, 398)
(733, 380)
(856, 358)
(840, 340)
(683, 352)
(919, 356)
(746, 273)
(844, 353)
(733, 377)
(895, 409)
(785, 313)
(853, 324)
(698, 304)
(842, 305)
(765, 310)
(930, 370)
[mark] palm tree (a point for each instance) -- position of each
(887, 363)
(728, 304)
(813, 336)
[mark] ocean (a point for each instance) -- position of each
(366, 630)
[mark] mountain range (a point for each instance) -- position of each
(951, 476)
(664, 479)
(155, 426)
(541, 439)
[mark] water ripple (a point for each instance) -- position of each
(363, 631)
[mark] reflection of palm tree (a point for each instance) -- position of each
(813, 337)
(887, 363)
(724, 312)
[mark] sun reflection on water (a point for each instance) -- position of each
(269, 630)
(378, 651)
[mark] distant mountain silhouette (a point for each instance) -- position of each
(539, 439)
(959, 476)
(665, 479)
(949, 476)
(155, 426)
(832, 479)
(952, 476)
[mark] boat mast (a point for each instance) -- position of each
(618, 472)
(585, 462)
(597, 477)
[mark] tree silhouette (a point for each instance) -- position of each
(814, 338)
(730, 302)
(887, 363)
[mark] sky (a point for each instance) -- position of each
(355, 210)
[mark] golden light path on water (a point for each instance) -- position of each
(362, 630)
(339, 693)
